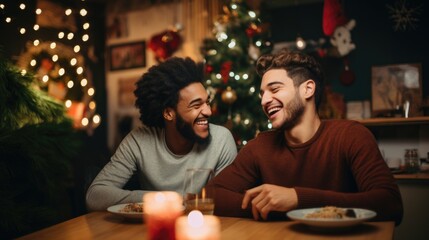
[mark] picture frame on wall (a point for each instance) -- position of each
(127, 55)
(396, 90)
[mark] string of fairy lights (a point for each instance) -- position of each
(58, 64)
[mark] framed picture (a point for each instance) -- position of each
(396, 90)
(126, 87)
(128, 55)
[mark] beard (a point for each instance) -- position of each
(294, 110)
(188, 132)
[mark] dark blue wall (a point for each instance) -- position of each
(377, 42)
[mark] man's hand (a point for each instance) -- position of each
(266, 198)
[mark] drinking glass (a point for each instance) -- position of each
(196, 195)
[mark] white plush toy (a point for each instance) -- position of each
(342, 39)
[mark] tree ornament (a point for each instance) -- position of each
(209, 69)
(254, 52)
(237, 118)
(347, 77)
(229, 96)
(252, 30)
(224, 71)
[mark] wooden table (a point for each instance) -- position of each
(103, 225)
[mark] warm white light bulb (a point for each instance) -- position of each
(83, 12)
(22, 30)
(22, 6)
(91, 91)
(79, 70)
(68, 11)
(232, 43)
(76, 48)
(73, 61)
(96, 119)
(85, 121)
(36, 27)
(83, 82)
(68, 103)
(38, 11)
(92, 105)
(300, 43)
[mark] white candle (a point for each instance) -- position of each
(197, 226)
(161, 209)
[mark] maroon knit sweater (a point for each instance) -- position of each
(340, 165)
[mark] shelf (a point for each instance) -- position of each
(395, 121)
(418, 176)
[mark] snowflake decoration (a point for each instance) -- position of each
(403, 15)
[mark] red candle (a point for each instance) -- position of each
(161, 209)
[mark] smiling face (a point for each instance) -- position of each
(280, 99)
(193, 111)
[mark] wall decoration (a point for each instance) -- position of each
(164, 44)
(53, 16)
(126, 87)
(127, 56)
(117, 26)
(404, 15)
(396, 90)
(59, 71)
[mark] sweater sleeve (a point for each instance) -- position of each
(377, 189)
(230, 184)
(227, 149)
(106, 189)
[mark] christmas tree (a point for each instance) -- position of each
(240, 37)
(37, 146)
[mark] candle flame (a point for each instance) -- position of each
(203, 193)
(159, 197)
(195, 218)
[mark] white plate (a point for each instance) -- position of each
(361, 216)
(117, 210)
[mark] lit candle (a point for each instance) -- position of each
(197, 226)
(161, 209)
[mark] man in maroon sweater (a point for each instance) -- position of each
(305, 162)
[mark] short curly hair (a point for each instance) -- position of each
(299, 66)
(159, 88)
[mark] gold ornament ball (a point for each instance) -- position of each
(229, 96)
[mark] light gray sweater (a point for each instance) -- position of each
(145, 151)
